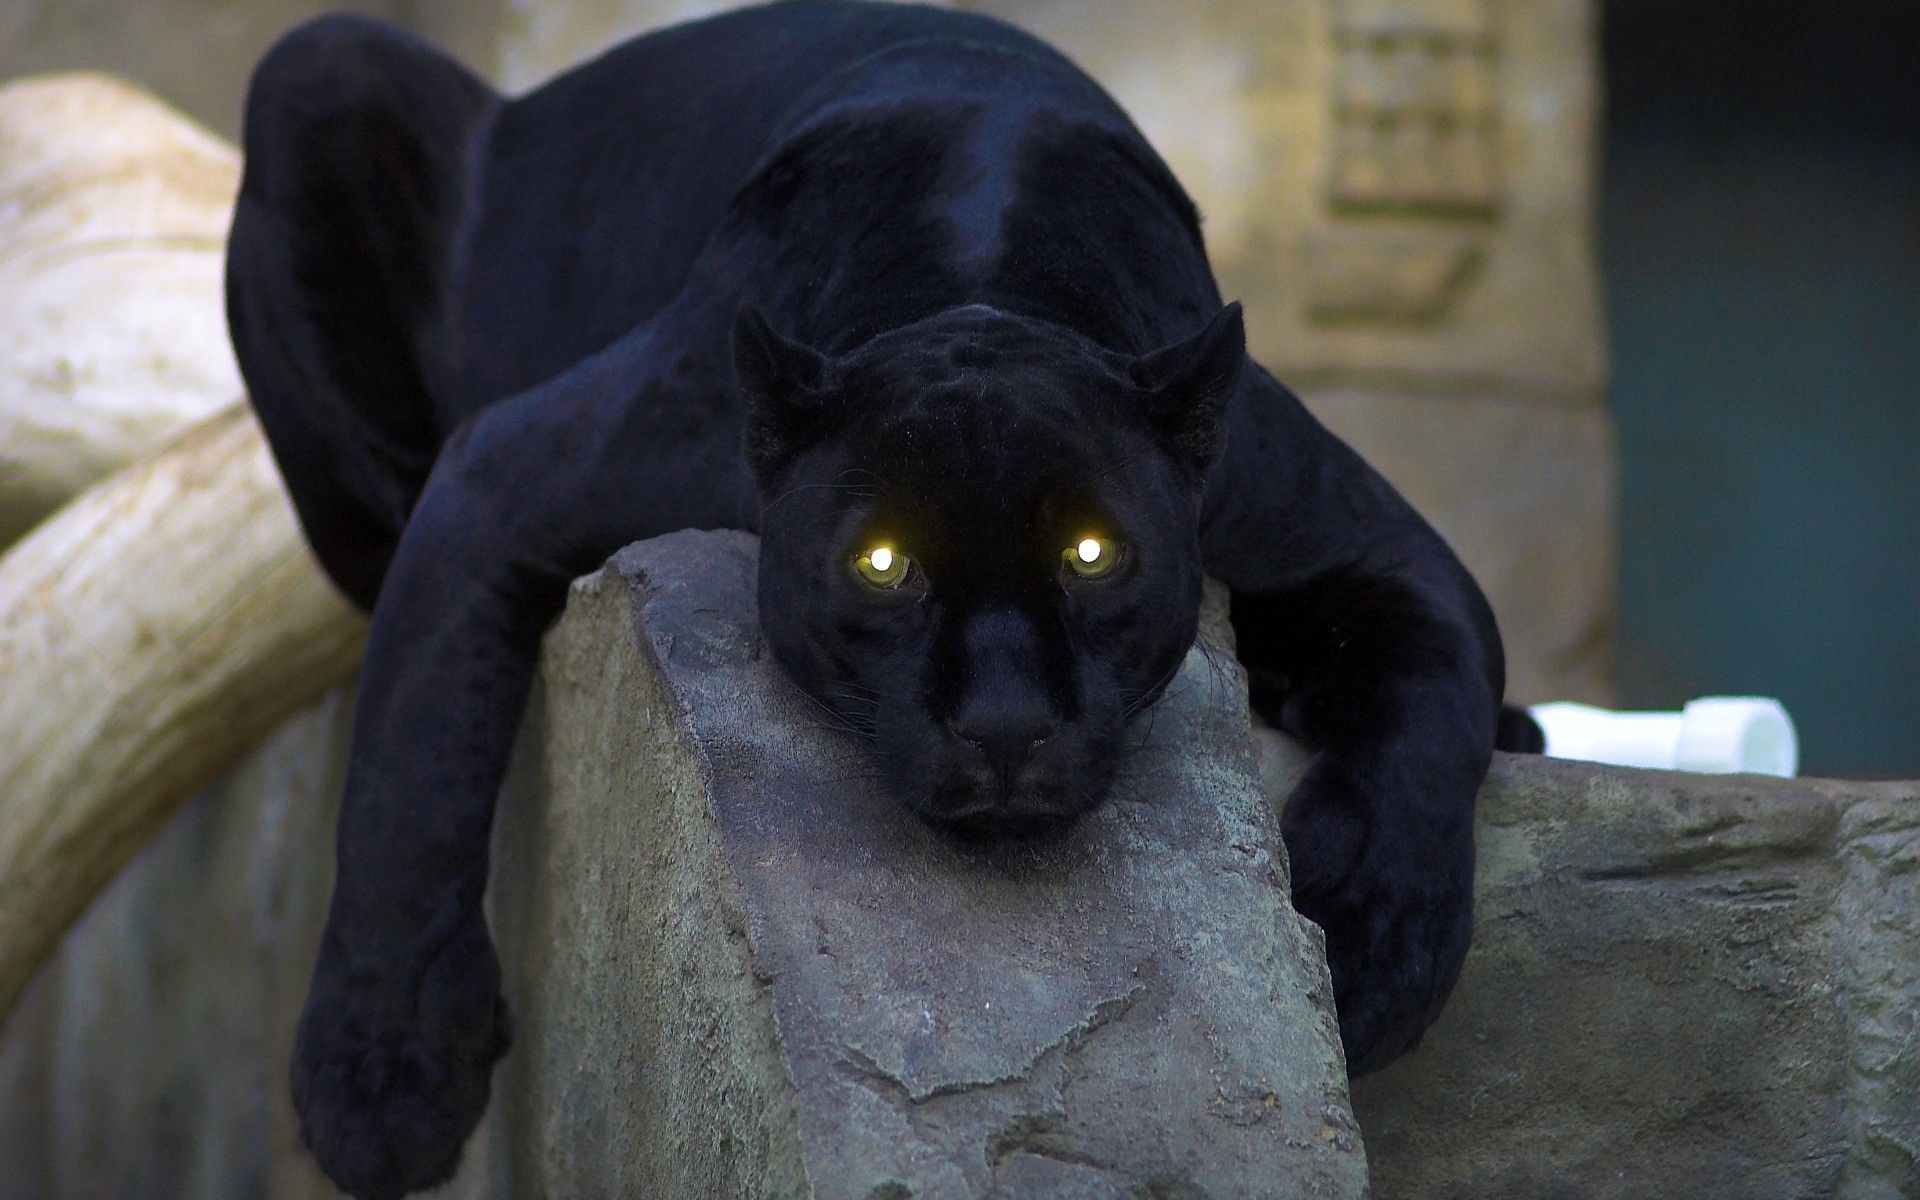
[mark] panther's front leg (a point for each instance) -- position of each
(1380, 829)
(1364, 636)
(403, 1020)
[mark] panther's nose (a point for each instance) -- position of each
(1005, 735)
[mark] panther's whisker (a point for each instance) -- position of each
(830, 718)
(859, 489)
(1143, 699)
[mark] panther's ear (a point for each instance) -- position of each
(1189, 383)
(781, 382)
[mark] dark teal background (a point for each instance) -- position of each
(1760, 241)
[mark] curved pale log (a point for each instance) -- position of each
(150, 633)
(113, 220)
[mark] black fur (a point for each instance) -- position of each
(840, 274)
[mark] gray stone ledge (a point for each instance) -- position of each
(741, 970)
(1680, 985)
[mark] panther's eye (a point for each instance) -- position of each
(883, 566)
(1092, 557)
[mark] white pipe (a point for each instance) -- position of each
(1715, 735)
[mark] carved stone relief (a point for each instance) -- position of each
(1413, 108)
(1414, 134)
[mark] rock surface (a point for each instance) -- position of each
(741, 970)
(1680, 985)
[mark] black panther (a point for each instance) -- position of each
(902, 291)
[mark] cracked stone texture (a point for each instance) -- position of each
(1680, 985)
(740, 969)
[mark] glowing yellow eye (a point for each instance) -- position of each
(1091, 558)
(882, 566)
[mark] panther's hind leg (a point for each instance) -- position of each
(359, 142)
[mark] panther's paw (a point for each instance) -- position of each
(391, 1073)
(1385, 868)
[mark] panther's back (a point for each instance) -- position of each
(659, 132)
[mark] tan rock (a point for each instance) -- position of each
(157, 626)
(150, 634)
(113, 337)
(1682, 986)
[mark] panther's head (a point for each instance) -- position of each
(979, 545)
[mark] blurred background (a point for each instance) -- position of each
(1759, 220)
(1624, 294)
